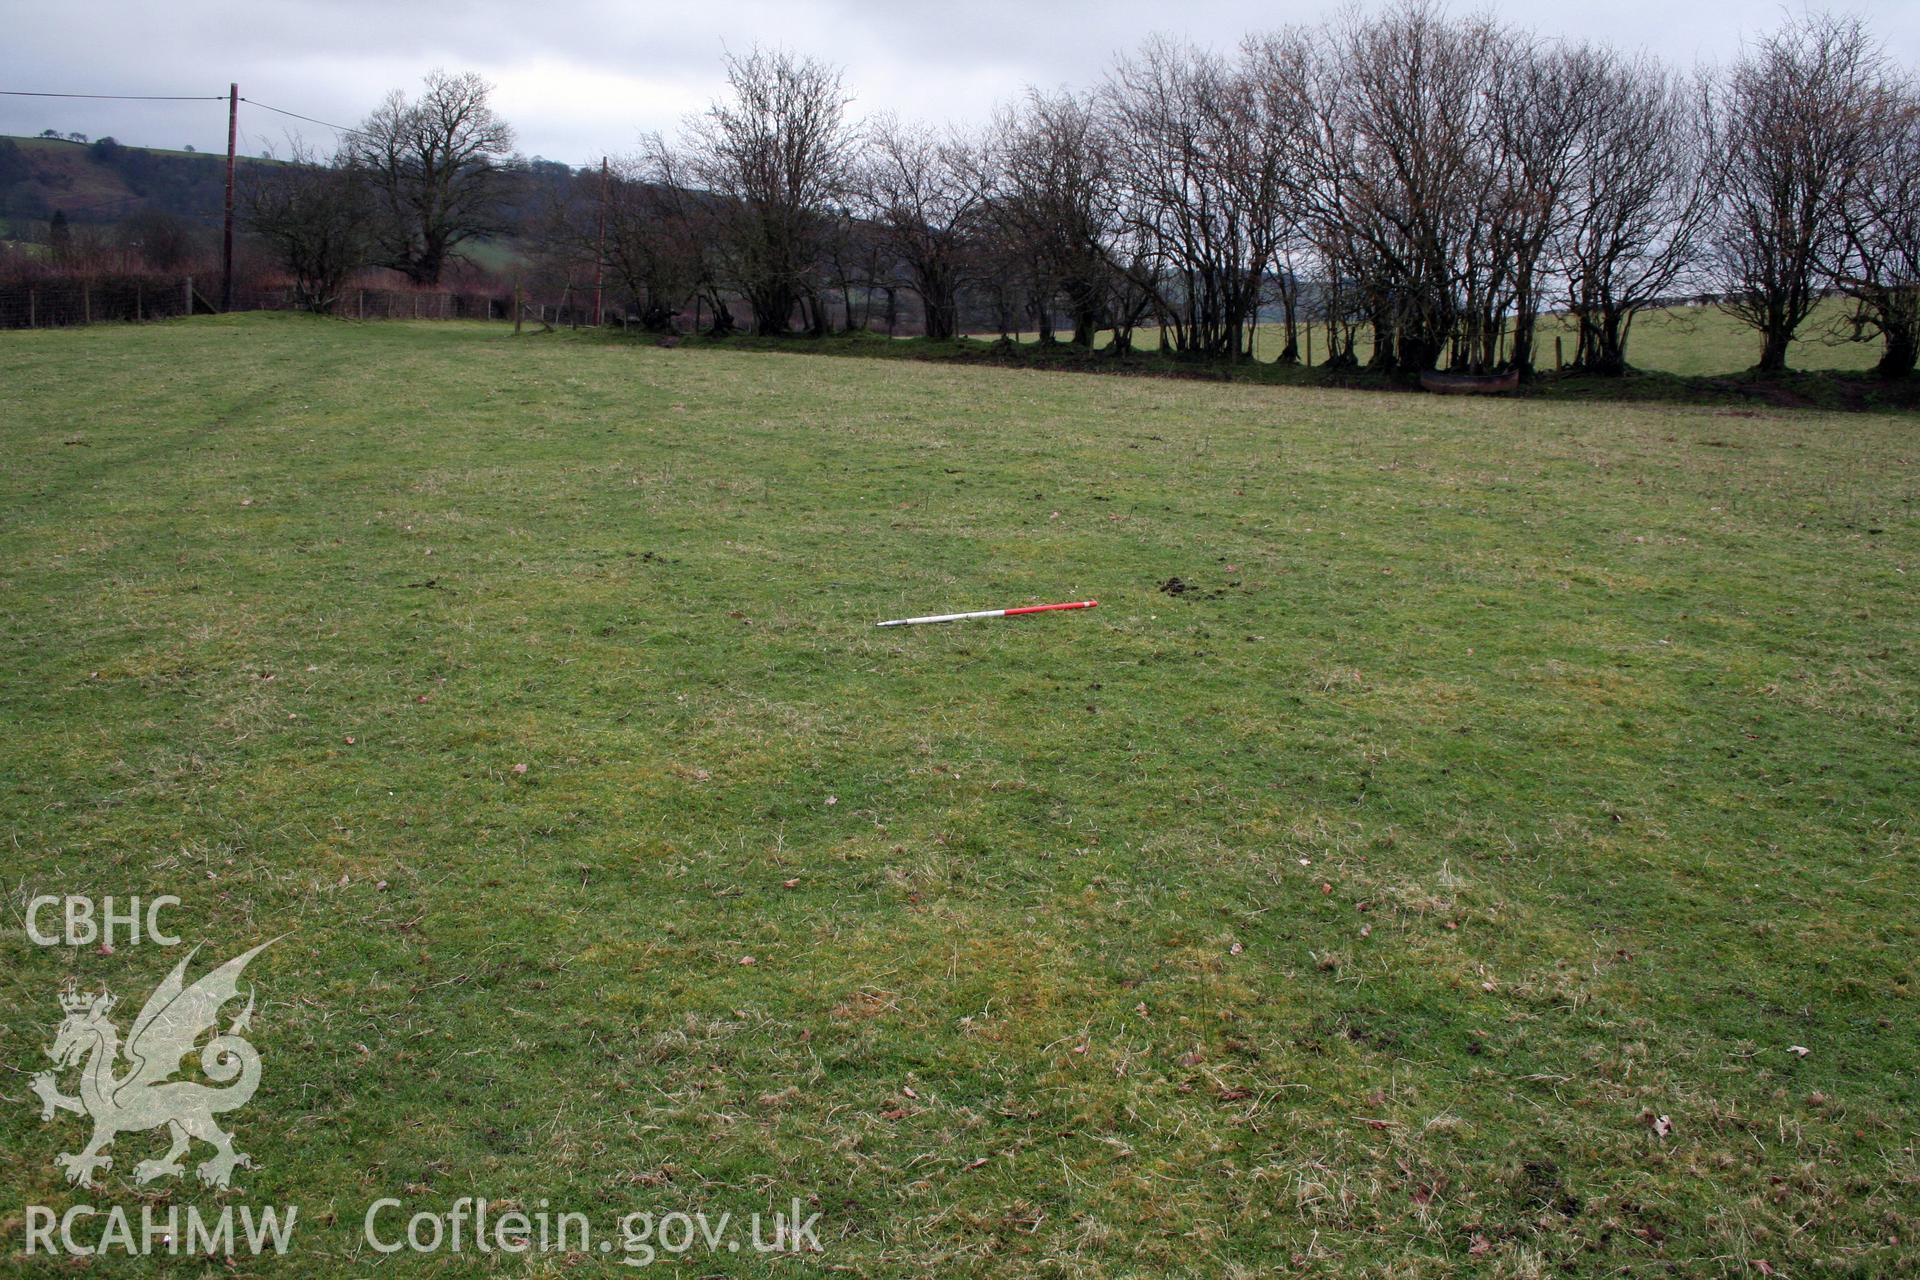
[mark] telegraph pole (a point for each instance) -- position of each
(226, 245)
(600, 254)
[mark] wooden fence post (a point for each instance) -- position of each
(1309, 363)
(186, 297)
(1559, 352)
(516, 311)
(86, 304)
(33, 309)
(360, 309)
(139, 299)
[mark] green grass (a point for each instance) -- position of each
(1509, 775)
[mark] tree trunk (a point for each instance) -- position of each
(942, 311)
(1773, 352)
(1898, 360)
(1523, 324)
(1383, 336)
(1085, 328)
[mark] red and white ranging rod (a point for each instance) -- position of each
(989, 613)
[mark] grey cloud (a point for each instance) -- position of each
(580, 80)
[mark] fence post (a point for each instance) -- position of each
(360, 310)
(86, 304)
(139, 301)
(186, 297)
(33, 317)
(1559, 353)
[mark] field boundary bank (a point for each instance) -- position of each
(57, 303)
(1822, 390)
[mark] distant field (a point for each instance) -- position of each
(1691, 341)
(1436, 879)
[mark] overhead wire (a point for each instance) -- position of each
(188, 97)
(118, 97)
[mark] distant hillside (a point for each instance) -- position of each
(104, 182)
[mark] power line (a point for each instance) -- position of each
(325, 124)
(118, 97)
(252, 102)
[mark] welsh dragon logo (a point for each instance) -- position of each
(144, 1095)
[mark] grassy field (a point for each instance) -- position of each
(1439, 884)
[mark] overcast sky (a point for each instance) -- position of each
(579, 80)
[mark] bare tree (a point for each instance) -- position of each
(163, 241)
(1543, 97)
(433, 165)
(1409, 140)
(918, 190)
(649, 252)
(1300, 73)
(695, 220)
(1198, 167)
(1638, 203)
(1879, 267)
(1791, 131)
(315, 216)
(770, 164)
(1047, 175)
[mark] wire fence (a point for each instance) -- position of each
(56, 303)
(59, 303)
(52, 302)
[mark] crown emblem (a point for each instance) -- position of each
(81, 1001)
